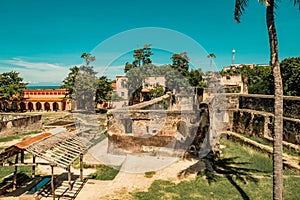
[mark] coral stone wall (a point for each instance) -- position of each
(253, 115)
(15, 123)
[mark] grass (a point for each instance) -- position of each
(104, 172)
(250, 178)
(76, 164)
(247, 158)
(286, 150)
(149, 174)
(17, 136)
(99, 139)
(6, 170)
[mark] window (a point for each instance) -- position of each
(122, 94)
(227, 77)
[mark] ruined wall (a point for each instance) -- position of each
(253, 115)
(139, 131)
(15, 123)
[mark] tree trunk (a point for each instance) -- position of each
(278, 106)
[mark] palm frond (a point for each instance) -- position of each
(297, 2)
(240, 6)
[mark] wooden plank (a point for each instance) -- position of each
(81, 167)
(73, 146)
(70, 148)
(63, 154)
(52, 182)
(15, 173)
(33, 167)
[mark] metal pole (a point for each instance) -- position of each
(233, 51)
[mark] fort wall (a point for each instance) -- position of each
(15, 123)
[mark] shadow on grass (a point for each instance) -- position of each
(212, 169)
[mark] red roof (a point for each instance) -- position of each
(31, 140)
(114, 84)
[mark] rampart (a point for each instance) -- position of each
(11, 123)
(254, 115)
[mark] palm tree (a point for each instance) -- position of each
(211, 56)
(88, 58)
(240, 6)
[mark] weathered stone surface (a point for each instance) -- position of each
(15, 123)
(253, 115)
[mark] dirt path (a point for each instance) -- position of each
(128, 182)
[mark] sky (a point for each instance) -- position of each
(42, 39)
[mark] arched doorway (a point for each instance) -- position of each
(30, 106)
(38, 106)
(14, 106)
(6, 106)
(55, 106)
(47, 106)
(22, 107)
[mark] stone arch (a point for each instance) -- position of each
(47, 106)
(55, 106)
(38, 106)
(22, 106)
(14, 106)
(6, 106)
(30, 106)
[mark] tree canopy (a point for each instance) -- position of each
(11, 86)
(290, 70)
(177, 74)
(83, 86)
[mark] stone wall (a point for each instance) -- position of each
(253, 115)
(11, 123)
(139, 131)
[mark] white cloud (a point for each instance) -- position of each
(44, 73)
(36, 72)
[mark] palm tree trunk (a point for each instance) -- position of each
(278, 106)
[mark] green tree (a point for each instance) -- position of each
(180, 62)
(157, 91)
(88, 58)
(85, 87)
(104, 89)
(11, 86)
(240, 6)
(142, 56)
(69, 81)
(260, 80)
(195, 78)
(211, 56)
(81, 84)
(290, 70)
(128, 66)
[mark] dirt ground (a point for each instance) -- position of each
(126, 182)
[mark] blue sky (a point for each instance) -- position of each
(43, 39)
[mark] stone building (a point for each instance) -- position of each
(44, 100)
(234, 84)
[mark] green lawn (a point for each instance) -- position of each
(286, 150)
(17, 136)
(6, 170)
(250, 178)
(104, 173)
